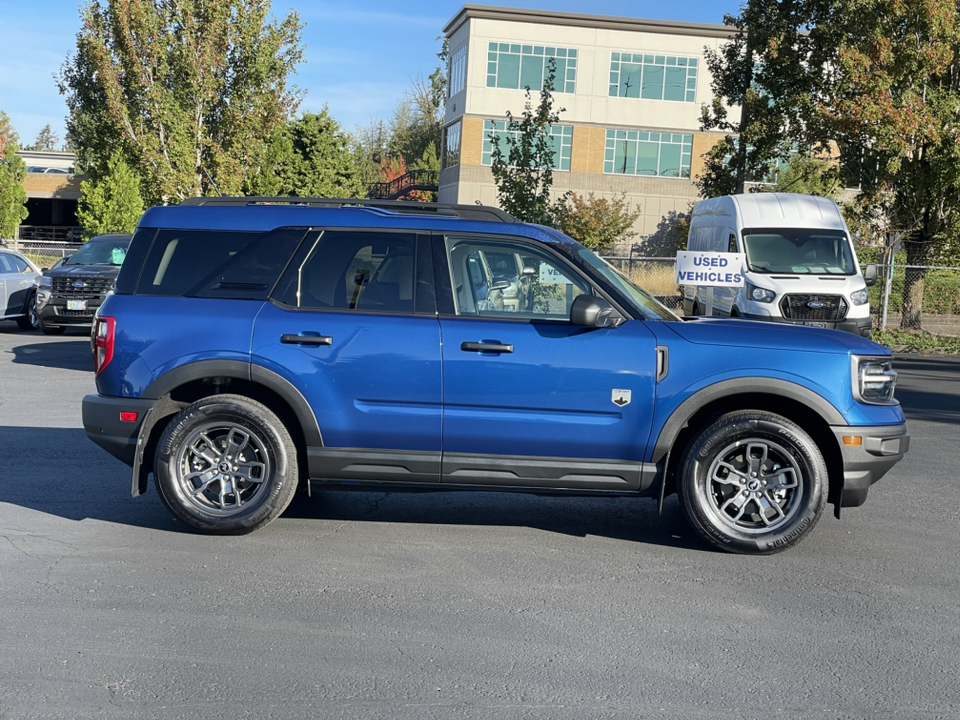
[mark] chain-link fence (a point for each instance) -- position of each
(44, 253)
(912, 297)
(917, 297)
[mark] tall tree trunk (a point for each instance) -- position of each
(918, 253)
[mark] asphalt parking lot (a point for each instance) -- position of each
(480, 605)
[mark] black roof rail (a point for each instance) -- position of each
(464, 212)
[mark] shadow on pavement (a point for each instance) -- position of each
(58, 471)
(66, 354)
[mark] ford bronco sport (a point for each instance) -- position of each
(254, 345)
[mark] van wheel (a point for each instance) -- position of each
(753, 482)
(226, 465)
(696, 309)
(734, 312)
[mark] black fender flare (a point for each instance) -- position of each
(732, 388)
(165, 406)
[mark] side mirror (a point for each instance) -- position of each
(501, 284)
(870, 275)
(590, 311)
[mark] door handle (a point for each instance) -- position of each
(486, 347)
(305, 340)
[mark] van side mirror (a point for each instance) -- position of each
(590, 311)
(870, 275)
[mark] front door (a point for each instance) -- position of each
(530, 399)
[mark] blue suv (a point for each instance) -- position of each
(254, 345)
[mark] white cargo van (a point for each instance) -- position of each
(800, 266)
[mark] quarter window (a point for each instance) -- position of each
(653, 77)
(560, 137)
(654, 154)
(519, 66)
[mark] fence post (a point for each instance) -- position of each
(886, 291)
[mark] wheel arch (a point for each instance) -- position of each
(809, 410)
(188, 383)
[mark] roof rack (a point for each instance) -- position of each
(464, 212)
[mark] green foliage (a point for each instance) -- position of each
(597, 223)
(418, 119)
(111, 203)
(808, 176)
(190, 93)
(47, 140)
(311, 157)
(7, 133)
(524, 175)
(13, 198)
(901, 340)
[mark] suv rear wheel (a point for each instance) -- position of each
(753, 482)
(226, 465)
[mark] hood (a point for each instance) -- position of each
(85, 271)
(730, 332)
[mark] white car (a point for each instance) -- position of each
(18, 287)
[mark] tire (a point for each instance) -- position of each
(753, 482)
(696, 309)
(29, 320)
(51, 329)
(195, 472)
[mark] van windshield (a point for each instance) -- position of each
(798, 251)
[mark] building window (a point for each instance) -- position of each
(451, 145)
(653, 154)
(520, 66)
(458, 71)
(653, 77)
(561, 138)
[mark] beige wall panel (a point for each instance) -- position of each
(52, 185)
(471, 141)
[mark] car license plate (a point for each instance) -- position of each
(815, 324)
(76, 304)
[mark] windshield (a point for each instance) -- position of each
(100, 253)
(650, 307)
(798, 251)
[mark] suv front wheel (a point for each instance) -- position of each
(753, 482)
(226, 465)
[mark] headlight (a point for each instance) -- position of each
(759, 294)
(859, 297)
(44, 282)
(874, 380)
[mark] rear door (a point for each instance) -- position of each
(530, 399)
(354, 329)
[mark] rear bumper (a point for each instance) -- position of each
(879, 450)
(103, 424)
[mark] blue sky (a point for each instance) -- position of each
(360, 57)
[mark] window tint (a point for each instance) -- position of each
(180, 259)
(363, 271)
(510, 279)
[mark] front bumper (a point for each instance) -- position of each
(103, 424)
(857, 326)
(879, 450)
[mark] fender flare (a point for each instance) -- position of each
(164, 406)
(732, 388)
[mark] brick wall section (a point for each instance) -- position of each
(50, 185)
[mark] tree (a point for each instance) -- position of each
(598, 223)
(111, 203)
(524, 176)
(47, 140)
(809, 176)
(418, 119)
(13, 198)
(7, 133)
(768, 70)
(873, 83)
(191, 92)
(311, 157)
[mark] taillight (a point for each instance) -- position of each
(103, 343)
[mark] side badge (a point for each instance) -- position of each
(621, 398)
